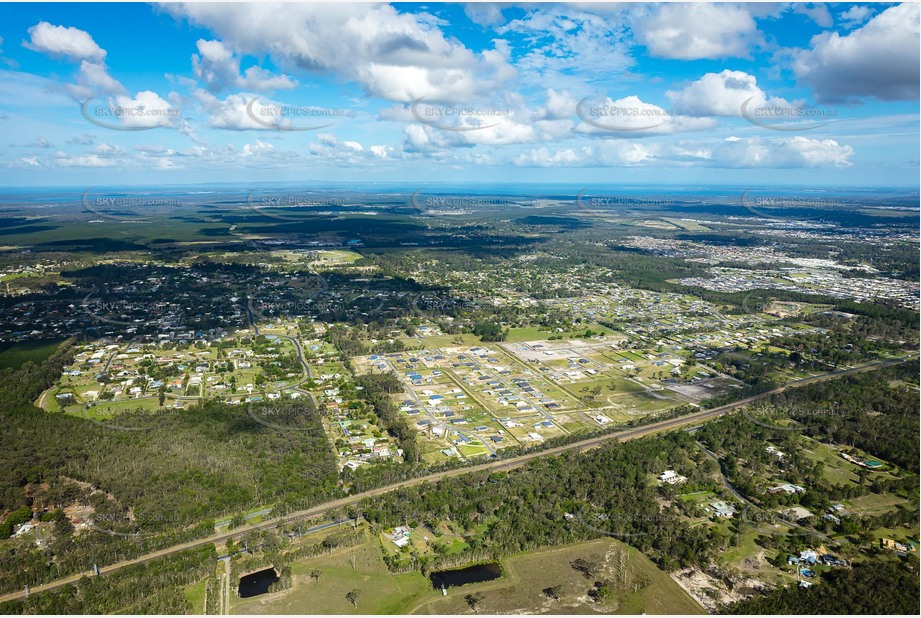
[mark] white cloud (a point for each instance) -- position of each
(485, 13)
(91, 160)
(218, 68)
(105, 149)
(732, 152)
(691, 31)
(146, 110)
(82, 140)
(634, 116)
(855, 16)
(607, 153)
(879, 60)
(73, 44)
(816, 12)
(94, 80)
(397, 56)
(721, 94)
(61, 41)
(792, 152)
(249, 112)
(570, 45)
(331, 149)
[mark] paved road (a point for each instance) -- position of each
(493, 466)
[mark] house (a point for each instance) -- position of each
(807, 556)
(787, 488)
(672, 478)
(721, 509)
(773, 450)
(892, 545)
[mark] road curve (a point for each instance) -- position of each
(495, 466)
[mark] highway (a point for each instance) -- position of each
(493, 466)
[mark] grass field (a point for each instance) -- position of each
(381, 592)
(518, 591)
(14, 355)
(195, 595)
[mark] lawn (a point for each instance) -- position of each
(381, 592)
(195, 595)
(15, 355)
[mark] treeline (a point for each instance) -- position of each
(155, 587)
(869, 588)
(158, 484)
(877, 411)
(376, 390)
(273, 549)
(565, 499)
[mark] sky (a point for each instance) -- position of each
(622, 93)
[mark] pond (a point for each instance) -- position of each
(469, 575)
(257, 583)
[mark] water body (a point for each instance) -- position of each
(469, 575)
(257, 583)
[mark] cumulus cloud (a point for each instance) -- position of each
(879, 60)
(855, 16)
(397, 56)
(94, 80)
(331, 149)
(795, 152)
(691, 31)
(82, 140)
(732, 152)
(90, 160)
(632, 115)
(509, 121)
(485, 13)
(721, 94)
(218, 68)
(818, 13)
(608, 153)
(248, 112)
(61, 41)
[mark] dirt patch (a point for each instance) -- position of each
(711, 591)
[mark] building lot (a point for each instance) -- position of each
(475, 400)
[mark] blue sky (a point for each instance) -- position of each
(645, 94)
